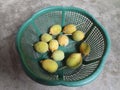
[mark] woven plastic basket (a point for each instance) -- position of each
(39, 23)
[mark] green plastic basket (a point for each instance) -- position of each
(39, 23)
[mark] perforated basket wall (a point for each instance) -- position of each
(40, 22)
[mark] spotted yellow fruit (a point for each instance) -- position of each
(85, 48)
(69, 29)
(74, 60)
(63, 40)
(53, 45)
(46, 37)
(55, 29)
(78, 35)
(41, 47)
(58, 55)
(49, 65)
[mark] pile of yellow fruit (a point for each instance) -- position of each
(48, 43)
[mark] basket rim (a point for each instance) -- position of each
(74, 83)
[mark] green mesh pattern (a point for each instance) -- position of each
(82, 22)
(40, 23)
(46, 20)
(81, 72)
(29, 37)
(97, 44)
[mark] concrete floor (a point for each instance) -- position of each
(14, 12)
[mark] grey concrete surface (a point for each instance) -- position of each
(14, 12)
